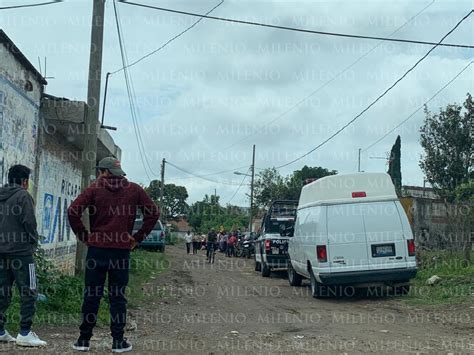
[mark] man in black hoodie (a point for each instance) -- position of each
(18, 241)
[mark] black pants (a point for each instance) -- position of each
(188, 247)
(20, 269)
(102, 262)
(230, 250)
(195, 247)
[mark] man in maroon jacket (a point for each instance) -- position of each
(112, 201)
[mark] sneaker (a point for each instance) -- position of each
(30, 340)
(81, 345)
(121, 346)
(5, 338)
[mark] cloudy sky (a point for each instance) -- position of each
(209, 95)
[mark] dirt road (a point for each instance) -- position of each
(228, 308)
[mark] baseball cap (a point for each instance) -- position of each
(112, 164)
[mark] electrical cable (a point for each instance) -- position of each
(199, 176)
(130, 98)
(169, 41)
(280, 116)
(294, 28)
(30, 5)
(419, 108)
(238, 188)
(379, 97)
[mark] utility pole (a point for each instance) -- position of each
(251, 190)
(162, 189)
(358, 168)
(89, 157)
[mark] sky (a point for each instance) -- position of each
(208, 96)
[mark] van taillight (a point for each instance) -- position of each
(321, 253)
(359, 194)
(411, 247)
(267, 245)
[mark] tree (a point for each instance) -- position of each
(394, 166)
(296, 180)
(268, 186)
(464, 216)
(447, 141)
(174, 198)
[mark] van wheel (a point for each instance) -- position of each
(294, 278)
(258, 267)
(315, 286)
(265, 269)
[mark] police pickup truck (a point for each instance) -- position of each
(271, 245)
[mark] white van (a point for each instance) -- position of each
(351, 230)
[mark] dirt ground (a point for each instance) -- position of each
(228, 308)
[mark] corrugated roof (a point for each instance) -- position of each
(8, 43)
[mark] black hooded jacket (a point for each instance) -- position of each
(18, 235)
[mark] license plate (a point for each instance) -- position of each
(382, 250)
(275, 250)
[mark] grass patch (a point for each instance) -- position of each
(456, 285)
(64, 293)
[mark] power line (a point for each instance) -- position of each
(335, 34)
(216, 173)
(380, 96)
(30, 5)
(419, 108)
(169, 41)
(280, 116)
(200, 176)
(130, 98)
(238, 188)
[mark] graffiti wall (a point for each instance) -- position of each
(59, 184)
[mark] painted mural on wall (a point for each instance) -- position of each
(59, 185)
(18, 128)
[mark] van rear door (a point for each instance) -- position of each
(386, 242)
(347, 243)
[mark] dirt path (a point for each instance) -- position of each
(228, 308)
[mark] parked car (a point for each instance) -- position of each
(155, 240)
(351, 230)
(271, 245)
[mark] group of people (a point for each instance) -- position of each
(112, 202)
(222, 241)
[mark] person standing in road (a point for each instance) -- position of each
(196, 241)
(18, 242)
(188, 238)
(211, 240)
(113, 202)
(231, 245)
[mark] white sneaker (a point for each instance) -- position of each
(5, 338)
(30, 340)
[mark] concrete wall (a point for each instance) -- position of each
(19, 113)
(59, 184)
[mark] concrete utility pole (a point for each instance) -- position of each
(162, 189)
(91, 126)
(251, 190)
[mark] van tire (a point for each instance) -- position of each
(315, 286)
(294, 278)
(265, 270)
(258, 267)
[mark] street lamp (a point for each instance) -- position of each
(238, 173)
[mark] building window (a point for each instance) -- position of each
(28, 86)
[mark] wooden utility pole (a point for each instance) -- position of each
(251, 190)
(162, 189)
(91, 126)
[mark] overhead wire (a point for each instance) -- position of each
(30, 5)
(199, 176)
(322, 86)
(238, 188)
(168, 41)
(129, 94)
(215, 173)
(419, 108)
(379, 97)
(288, 28)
